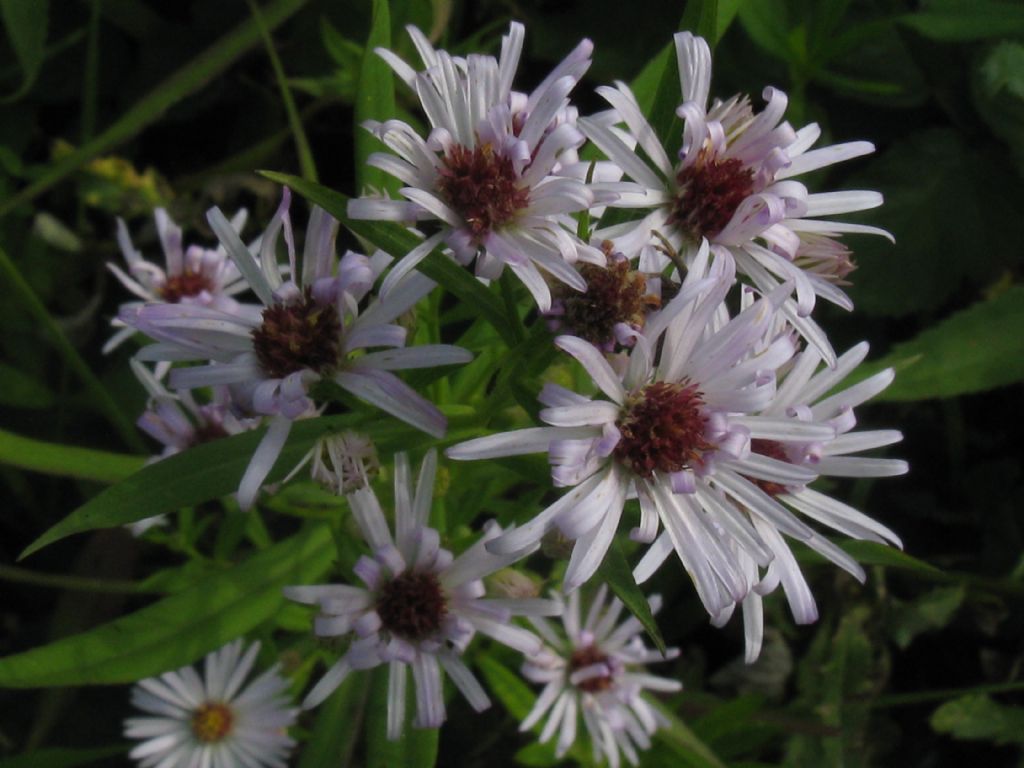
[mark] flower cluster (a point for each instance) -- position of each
(710, 402)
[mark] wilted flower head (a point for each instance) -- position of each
(213, 720)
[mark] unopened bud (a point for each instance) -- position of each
(345, 462)
(512, 584)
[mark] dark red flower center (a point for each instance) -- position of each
(207, 432)
(772, 450)
(710, 191)
(296, 335)
(212, 722)
(586, 657)
(482, 187)
(188, 283)
(615, 294)
(412, 605)
(662, 428)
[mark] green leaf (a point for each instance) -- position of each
(26, 22)
(932, 610)
(615, 571)
(179, 629)
(952, 208)
(375, 99)
(417, 747)
(683, 742)
(330, 744)
(701, 18)
(214, 469)
(975, 717)
(395, 240)
(964, 20)
(184, 82)
(976, 349)
(19, 390)
(873, 553)
(66, 460)
(767, 24)
(59, 757)
(998, 90)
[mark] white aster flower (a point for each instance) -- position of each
(306, 329)
(594, 669)
(675, 431)
(192, 275)
(733, 185)
(490, 170)
(213, 720)
(803, 396)
(420, 606)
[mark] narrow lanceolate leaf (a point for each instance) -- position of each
(872, 553)
(213, 470)
(701, 18)
(330, 744)
(417, 747)
(375, 100)
(66, 460)
(60, 757)
(979, 348)
(684, 743)
(395, 240)
(963, 20)
(26, 22)
(185, 81)
(615, 571)
(179, 629)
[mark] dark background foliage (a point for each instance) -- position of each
(918, 667)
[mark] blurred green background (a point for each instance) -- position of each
(111, 107)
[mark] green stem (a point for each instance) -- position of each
(23, 291)
(923, 697)
(18, 575)
(187, 80)
(511, 307)
(306, 163)
(66, 460)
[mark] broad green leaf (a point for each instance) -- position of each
(337, 726)
(26, 22)
(964, 20)
(214, 469)
(184, 82)
(179, 629)
(873, 553)
(998, 89)
(417, 747)
(952, 207)
(976, 349)
(683, 742)
(19, 390)
(66, 460)
(60, 757)
(375, 100)
(395, 240)
(977, 717)
(615, 571)
(932, 610)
